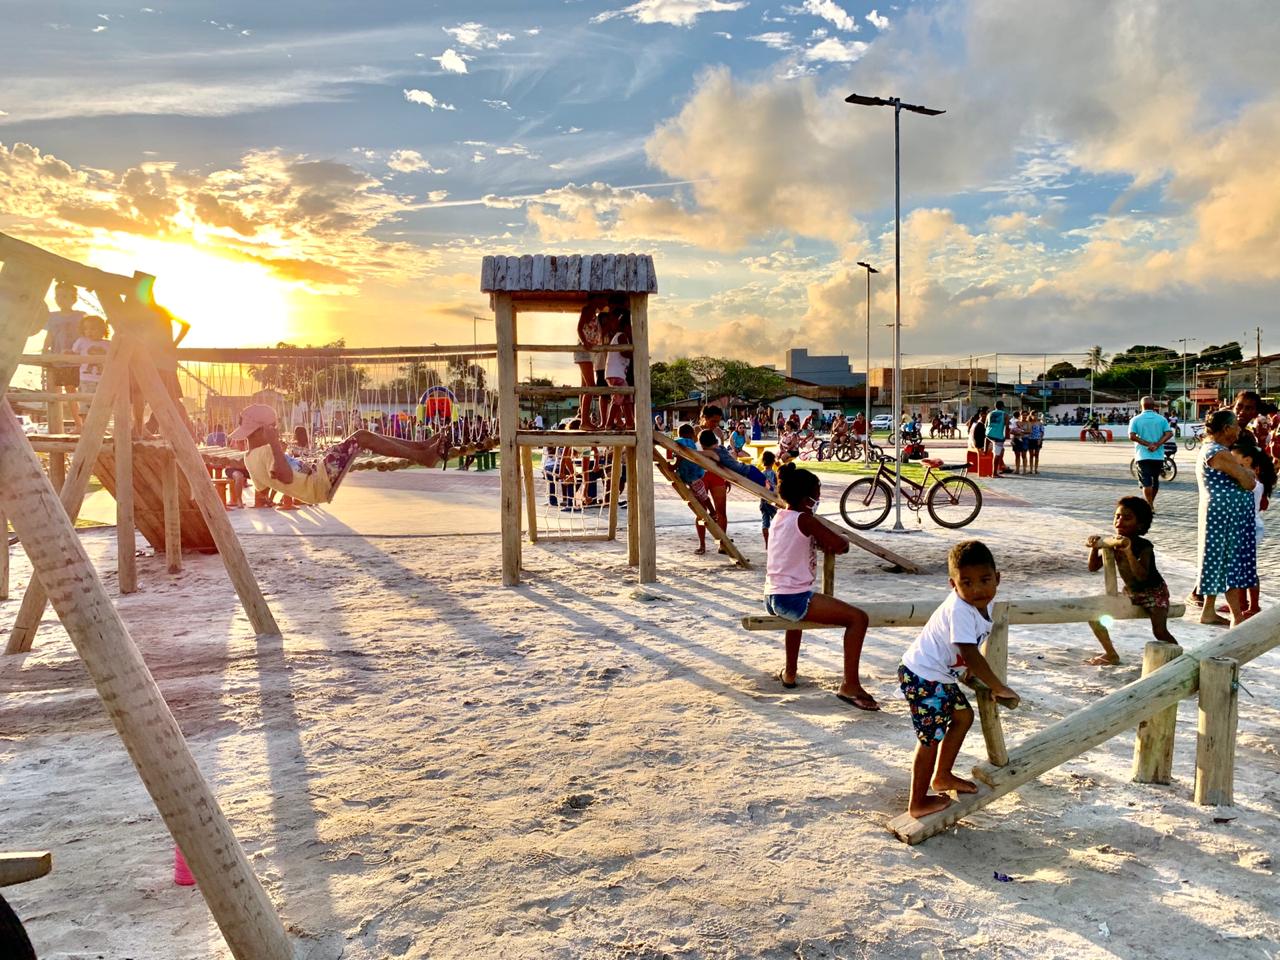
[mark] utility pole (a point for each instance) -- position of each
(1257, 366)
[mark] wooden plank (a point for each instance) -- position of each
(1153, 747)
(571, 347)
(174, 429)
(530, 496)
(575, 538)
(608, 280)
(4, 548)
(486, 274)
(23, 286)
(509, 415)
(50, 359)
(126, 561)
(57, 470)
(526, 273)
(616, 459)
(575, 438)
(172, 516)
(19, 251)
(996, 651)
(633, 531)
(46, 396)
(239, 905)
(907, 613)
(642, 508)
(1216, 739)
(1109, 583)
(828, 573)
(115, 375)
(755, 490)
(569, 393)
(701, 513)
(21, 866)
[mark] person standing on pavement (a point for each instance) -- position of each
(1149, 431)
(997, 430)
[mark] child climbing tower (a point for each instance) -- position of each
(554, 284)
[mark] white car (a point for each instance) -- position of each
(28, 425)
(882, 421)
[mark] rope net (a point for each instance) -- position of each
(573, 487)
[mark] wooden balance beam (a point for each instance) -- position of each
(755, 490)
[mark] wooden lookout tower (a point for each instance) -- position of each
(555, 284)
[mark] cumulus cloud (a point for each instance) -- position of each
(453, 62)
(677, 13)
(777, 39)
(835, 50)
(497, 104)
(426, 99)
(833, 13)
(411, 161)
(877, 20)
(477, 36)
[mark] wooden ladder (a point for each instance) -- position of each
(700, 511)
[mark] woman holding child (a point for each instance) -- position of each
(1227, 544)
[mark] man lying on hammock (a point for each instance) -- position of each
(269, 465)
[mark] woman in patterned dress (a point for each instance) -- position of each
(1228, 552)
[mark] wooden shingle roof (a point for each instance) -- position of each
(593, 273)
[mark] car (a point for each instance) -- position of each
(28, 425)
(882, 421)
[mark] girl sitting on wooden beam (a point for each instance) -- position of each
(270, 466)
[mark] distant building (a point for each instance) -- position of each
(827, 371)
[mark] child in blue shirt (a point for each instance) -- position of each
(692, 474)
(767, 508)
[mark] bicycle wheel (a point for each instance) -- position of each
(865, 503)
(1190, 442)
(822, 450)
(1133, 468)
(843, 452)
(1169, 472)
(954, 502)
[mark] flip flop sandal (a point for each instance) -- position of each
(866, 702)
(779, 677)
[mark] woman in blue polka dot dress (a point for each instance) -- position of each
(1228, 550)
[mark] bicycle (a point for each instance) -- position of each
(1195, 439)
(952, 502)
(1168, 470)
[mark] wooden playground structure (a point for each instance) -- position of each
(1169, 675)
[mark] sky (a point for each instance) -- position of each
(1105, 172)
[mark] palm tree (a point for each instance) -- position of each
(1096, 360)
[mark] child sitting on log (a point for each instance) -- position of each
(792, 566)
(946, 651)
(1136, 564)
(270, 466)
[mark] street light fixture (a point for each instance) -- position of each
(898, 107)
(866, 447)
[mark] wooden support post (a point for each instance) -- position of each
(530, 495)
(55, 419)
(126, 544)
(1109, 583)
(828, 573)
(1153, 750)
(641, 505)
(996, 650)
(57, 470)
(4, 548)
(114, 376)
(172, 514)
(239, 905)
(1216, 741)
(509, 423)
(616, 459)
(174, 430)
(633, 526)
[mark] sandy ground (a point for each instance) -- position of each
(429, 765)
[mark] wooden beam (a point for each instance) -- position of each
(1109, 582)
(641, 507)
(633, 533)
(57, 469)
(572, 347)
(115, 375)
(172, 515)
(701, 513)
(755, 490)
(126, 545)
(524, 390)
(1153, 748)
(530, 495)
(4, 553)
(239, 905)
(174, 429)
(1099, 721)
(996, 651)
(828, 573)
(19, 867)
(574, 538)
(509, 417)
(49, 359)
(905, 613)
(23, 314)
(481, 351)
(50, 397)
(62, 269)
(617, 457)
(576, 438)
(1216, 740)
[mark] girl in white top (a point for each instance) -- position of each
(792, 565)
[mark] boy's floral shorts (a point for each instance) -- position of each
(338, 460)
(932, 704)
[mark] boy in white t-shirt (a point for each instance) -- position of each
(947, 651)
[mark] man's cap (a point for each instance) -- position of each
(252, 417)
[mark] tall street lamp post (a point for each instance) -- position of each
(898, 107)
(866, 447)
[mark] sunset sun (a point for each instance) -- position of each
(227, 302)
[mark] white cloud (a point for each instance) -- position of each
(677, 13)
(516, 150)
(453, 62)
(832, 12)
(776, 39)
(497, 104)
(426, 99)
(435, 196)
(723, 35)
(533, 31)
(411, 161)
(478, 157)
(835, 50)
(477, 36)
(877, 20)
(98, 29)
